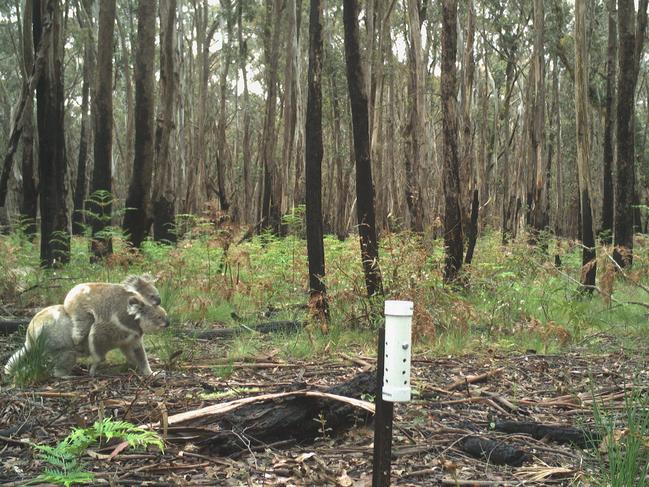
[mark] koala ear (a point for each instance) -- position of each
(149, 278)
(134, 306)
(130, 282)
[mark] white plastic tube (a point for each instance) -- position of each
(398, 331)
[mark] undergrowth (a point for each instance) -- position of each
(64, 458)
(512, 297)
(622, 455)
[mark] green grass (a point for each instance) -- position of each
(34, 366)
(512, 298)
(623, 458)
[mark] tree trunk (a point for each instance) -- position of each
(246, 197)
(609, 127)
(223, 155)
(416, 125)
(537, 135)
(360, 121)
(625, 175)
(164, 196)
(29, 200)
(80, 189)
(55, 236)
(20, 111)
(100, 202)
(270, 210)
(589, 266)
(136, 220)
(290, 107)
(313, 172)
(127, 72)
(559, 201)
(453, 240)
(469, 192)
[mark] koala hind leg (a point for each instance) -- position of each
(136, 355)
(64, 363)
(81, 325)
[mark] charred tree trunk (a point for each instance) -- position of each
(313, 172)
(453, 240)
(81, 187)
(55, 236)
(360, 122)
(137, 220)
(164, 197)
(29, 200)
(100, 203)
(589, 267)
(609, 127)
(625, 174)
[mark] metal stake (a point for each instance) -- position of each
(382, 424)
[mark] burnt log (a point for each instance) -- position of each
(270, 327)
(555, 433)
(7, 327)
(297, 418)
(494, 452)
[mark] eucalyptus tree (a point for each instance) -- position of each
(55, 236)
(609, 126)
(453, 240)
(164, 195)
(589, 265)
(100, 202)
(313, 171)
(84, 14)
(137, 220)
(360, 121)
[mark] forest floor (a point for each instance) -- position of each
(563, 389)
(517, 341)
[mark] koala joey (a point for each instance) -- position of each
(56, 326)
(94, 302)
(123, 330)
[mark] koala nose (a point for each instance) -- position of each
(166, 322)
(156, 300)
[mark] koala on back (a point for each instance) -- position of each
(124, 330)
(94, 302)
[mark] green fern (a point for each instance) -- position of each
(64, 457)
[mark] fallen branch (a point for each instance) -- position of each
(225, 407)
(245, 424)
(472, 379)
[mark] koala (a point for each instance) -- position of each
(123, 330)
(94, 302)
(56, 324)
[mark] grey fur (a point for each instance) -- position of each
(94, 302)
(124, 330)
